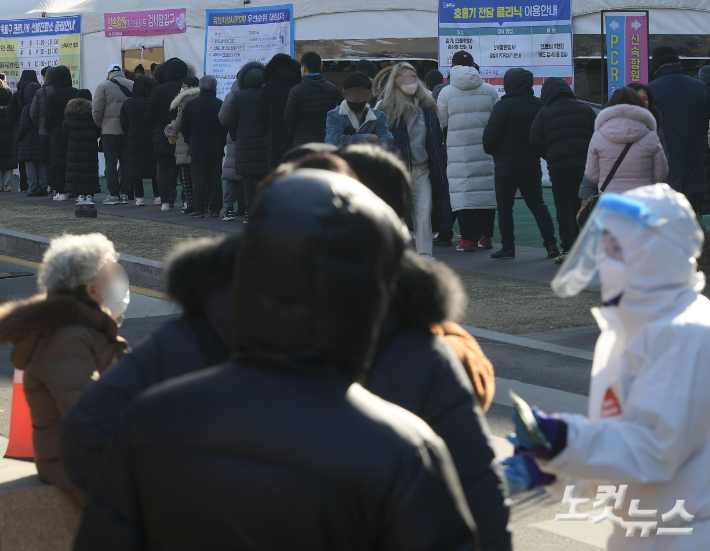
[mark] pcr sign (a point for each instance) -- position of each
(627, 50)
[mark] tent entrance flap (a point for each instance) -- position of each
(131, 58)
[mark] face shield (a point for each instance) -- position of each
(112, 286)
(597, 248)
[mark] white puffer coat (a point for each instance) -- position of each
(464, 108)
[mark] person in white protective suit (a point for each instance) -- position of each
(648, 424)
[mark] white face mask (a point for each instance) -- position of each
(409, 89)
(116, 299)
(611, 273)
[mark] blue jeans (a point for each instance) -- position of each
(234, 193)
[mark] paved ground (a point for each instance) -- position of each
(545, 379)
(511, 297)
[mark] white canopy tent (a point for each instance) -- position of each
(318, 20)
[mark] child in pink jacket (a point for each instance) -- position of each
(623, 121)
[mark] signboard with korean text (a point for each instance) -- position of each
(501, 34)
(38, 43)
(626, 50)
(236, 37)
(144, 23)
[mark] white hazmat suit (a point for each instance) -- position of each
(648, 424)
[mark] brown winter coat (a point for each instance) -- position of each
(478, 367)
(181, 156)
(59, 342)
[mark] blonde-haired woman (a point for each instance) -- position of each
(64, 335)
(419, 139)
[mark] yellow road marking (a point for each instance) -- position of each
(133, 288)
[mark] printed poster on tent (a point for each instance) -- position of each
(38, 43)
(501, 34)
(236, 37)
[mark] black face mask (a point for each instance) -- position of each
(357, 107)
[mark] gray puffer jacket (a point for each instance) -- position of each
(228, 168)
(179, 103)
(39, 101)
(107, 103)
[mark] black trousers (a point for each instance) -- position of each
(167, 178)
(24, 184)
(476, 223)
(528, 179)
(565, 190)
(137, 187)
(207, 171)
(59, 174)
(47, 159)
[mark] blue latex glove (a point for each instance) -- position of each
(555, 430)
(522, 473)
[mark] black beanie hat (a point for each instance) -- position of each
(662, 56)
(433, 78)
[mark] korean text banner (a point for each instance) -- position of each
(501, 34)
(38, 43)
(627, 50)
(236, 37)
(143, 23)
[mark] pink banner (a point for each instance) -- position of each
(636, 49)
(142, 23)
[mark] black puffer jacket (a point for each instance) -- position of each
(280, 449)
(29, 145)
(140, 134)
(14, 109)
(200, 126)
(507, 134)
(250, 144)
(82, 148)
(173, 350)
(307, 109)
(6, 132)
(418, 371)
(224, 114)
(281, 74)
(563, 126)
(169, 76)
(54, 113)
(704, 76)
(197, 278)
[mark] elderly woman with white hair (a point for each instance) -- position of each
(64, 335)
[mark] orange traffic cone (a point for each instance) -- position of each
(20, 445)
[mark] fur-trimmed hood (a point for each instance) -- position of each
(427, 293)
(23, 322)
(251, 75)
(186, 95)
(625, 123)
(78, 106)
(283, 67)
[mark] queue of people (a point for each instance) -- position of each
(468, 152)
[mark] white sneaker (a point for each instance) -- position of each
(124, 199)
(165, 207)
(140, 202)
(55, 197)
(112, 200)
(62, 197)
(429, 256)
(157, 202)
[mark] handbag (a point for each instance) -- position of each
(591, 202)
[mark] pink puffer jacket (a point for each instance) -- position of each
(644, 164)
